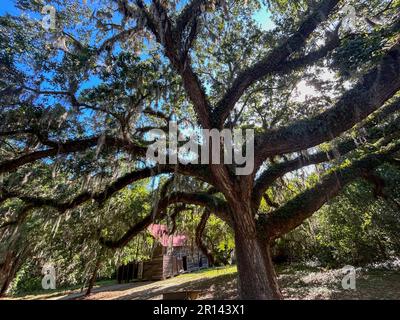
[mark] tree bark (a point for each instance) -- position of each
(93, 278)
(5, 278)
(257, 279)
(9, 268)
(199, 242)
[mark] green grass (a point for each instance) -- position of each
(203, 274)
(60, 290)
(211, 273)
(297, 282)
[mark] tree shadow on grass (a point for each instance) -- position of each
(296, 283)
(221, 287)
(97, 292)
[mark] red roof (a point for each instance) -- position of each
(160, 232)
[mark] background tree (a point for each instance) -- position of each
(81, 98)
(70, 242)
(357, 228)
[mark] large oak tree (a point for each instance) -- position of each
(80, 99)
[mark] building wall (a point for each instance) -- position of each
(168, 262)
(153, 269)
(194, 257)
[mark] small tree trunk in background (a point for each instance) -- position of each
(93, 278)
(257, 279)
(199, 233)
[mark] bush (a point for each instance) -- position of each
(26, 280)
(355, 228)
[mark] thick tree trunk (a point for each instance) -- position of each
(6, 281)
(8, 270)
(257, 278)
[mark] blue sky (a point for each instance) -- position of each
(263, 17)
(7, 6)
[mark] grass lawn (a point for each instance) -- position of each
(297, 282)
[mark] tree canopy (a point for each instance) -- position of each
(78, 100)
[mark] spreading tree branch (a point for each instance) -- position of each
(199, 234)
(202, 199)
(101, 196)
(269, 176)
(274, 61)
(368, 95)
(294, 212)
(67, 147)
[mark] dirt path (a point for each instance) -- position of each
(296, 283)
(215, 284)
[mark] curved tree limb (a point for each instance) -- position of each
(70, 146)
(176, 51)
(274, 61)
(368, 95)
(201, 199)
(101, 196)
(199, 234)
(295, 211)
(278, 170)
